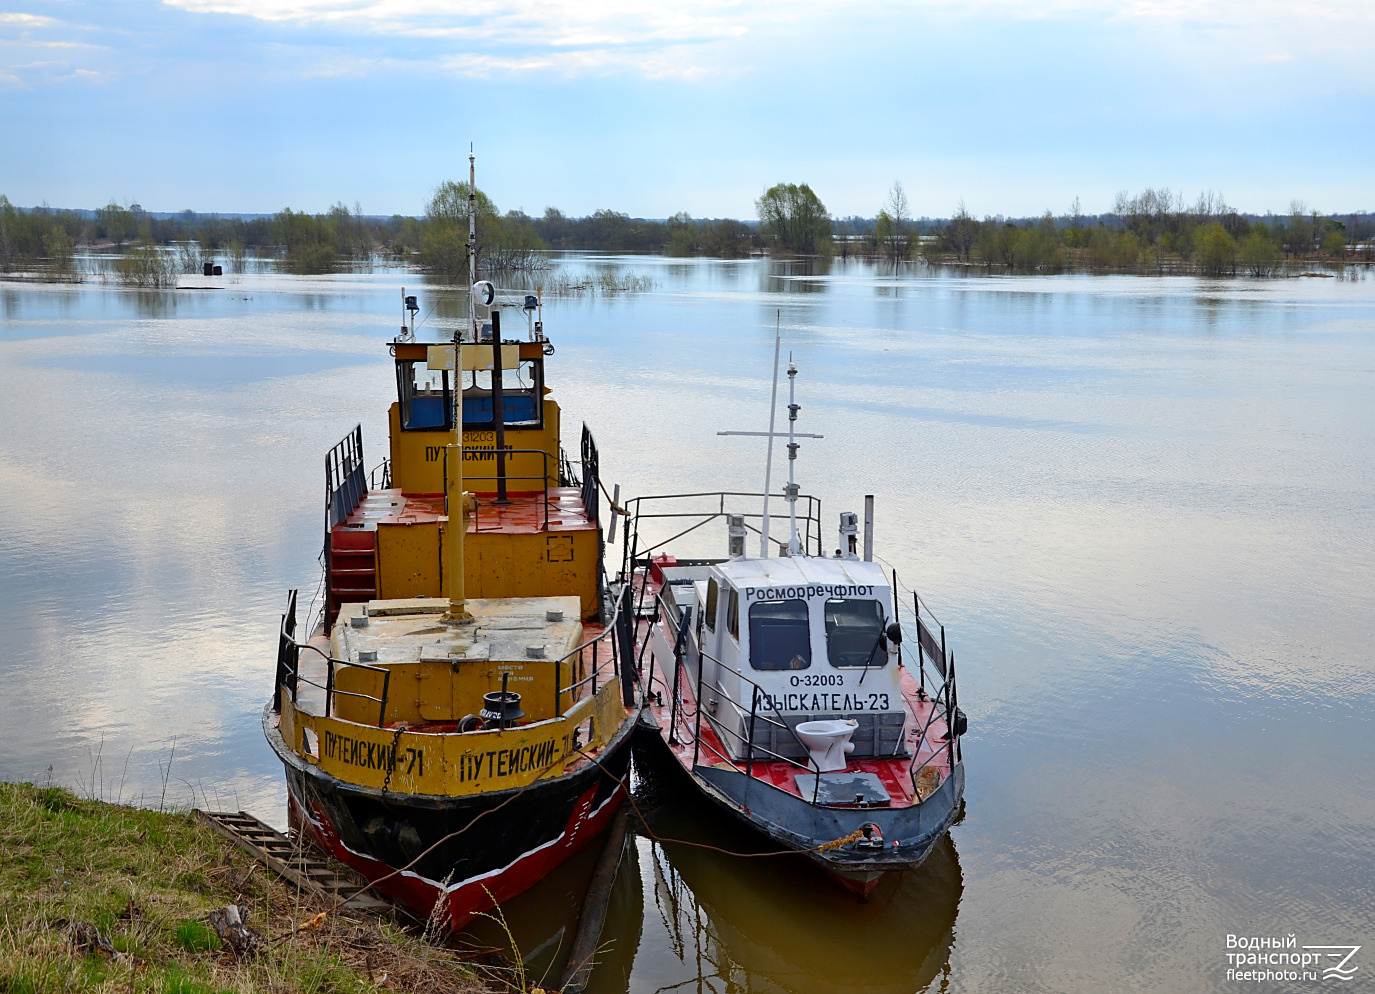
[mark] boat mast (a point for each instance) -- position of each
(794, 547)
(472, 250)
(768, 460)
(790, 491)
(454, 496)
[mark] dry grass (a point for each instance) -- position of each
(98, 897)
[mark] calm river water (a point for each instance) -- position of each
(1144, 509)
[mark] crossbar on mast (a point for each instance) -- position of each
(775, 434)
(790, 491)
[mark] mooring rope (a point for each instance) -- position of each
(621, 784)
(844, 840)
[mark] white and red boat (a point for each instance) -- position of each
(783, 686)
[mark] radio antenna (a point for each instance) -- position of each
(794, 545)
(768, 459)
(472, 239)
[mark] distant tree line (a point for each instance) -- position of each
(1153, 231)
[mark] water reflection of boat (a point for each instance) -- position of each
(782, 684)
(762, 925)
(537, 928)
(449, 691)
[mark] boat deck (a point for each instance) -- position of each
(560, 508)
(314, 675)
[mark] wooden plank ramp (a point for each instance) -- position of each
(295, 860)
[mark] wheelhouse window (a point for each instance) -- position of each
(780, 638)
(713, 597)
(423, 393)
(521, 401)
(854, 632)
(733, 613)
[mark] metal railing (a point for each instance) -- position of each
(591, 476)
(345, 485)
(808, 519)
(941, 689)
(380, 477)
(614, 631)
(543, 476)
(681, 633)
(289, 669)
(345, 478)
(288, 656)
(331, 688)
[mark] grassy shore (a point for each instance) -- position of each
(99, 897)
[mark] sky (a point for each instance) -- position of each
(1010, 107)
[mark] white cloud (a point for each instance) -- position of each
(26, 20)
(494, 37)
(579, 37)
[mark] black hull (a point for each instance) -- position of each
(790, 822)
(509, 839)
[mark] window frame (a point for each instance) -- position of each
(405, 394)
(536, 391)
(713, 604)
(806, 628)
(878, 653)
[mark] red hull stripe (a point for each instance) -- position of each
(467, 898)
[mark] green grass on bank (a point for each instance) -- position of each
(97, 897)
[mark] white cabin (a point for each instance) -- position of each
(809, 635)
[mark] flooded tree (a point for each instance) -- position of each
(57, 246)
(793, 218)
(1216, 251)
(503, 242)
(893, 225)
(1260, 256)
(961, 233)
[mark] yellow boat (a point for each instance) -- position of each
(460, 723)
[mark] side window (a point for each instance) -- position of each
(713, 595)
(780, 637)
(854, 632)
(426, 404)
(733, 614)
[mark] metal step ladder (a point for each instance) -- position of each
(294, 860)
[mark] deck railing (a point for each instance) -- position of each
(712, 506)
(469, 478)
(289, 675)
(591, 476)
(682, 634)
(380, 477)
(345, 478)
(331, 689)
(941, 687)
(614, 632)
(288, 656)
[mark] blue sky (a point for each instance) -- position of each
(649, 108)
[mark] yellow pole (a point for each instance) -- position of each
(457, 529)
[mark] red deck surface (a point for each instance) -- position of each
(525, 513)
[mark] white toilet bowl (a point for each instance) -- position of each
(828, 742)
